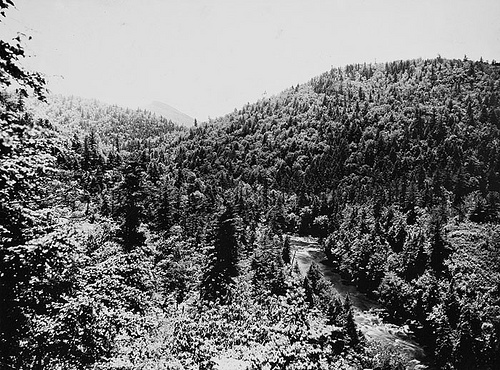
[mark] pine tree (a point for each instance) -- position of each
(267, 266)
(439, 248)
(312, 283)
(333, 306)
(309, 291)
(278, 286)
(349, 324)
(217, 281)
(314, 275)
(164, 212)
(285, 255)
(130, 209)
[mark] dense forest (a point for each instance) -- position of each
(129, 242)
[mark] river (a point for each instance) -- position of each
(368, 314)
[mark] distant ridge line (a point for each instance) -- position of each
(169, 112)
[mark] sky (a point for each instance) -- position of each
(206, 58)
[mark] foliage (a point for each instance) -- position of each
(11, 69)
(267, 265)
(114, 223)
(387, 357)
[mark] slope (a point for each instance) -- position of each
(394, 166)
(381, 160)
(170, 113)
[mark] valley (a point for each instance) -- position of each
(370, 317)
(349, 222)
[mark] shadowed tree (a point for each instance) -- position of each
(217, 280)
(130, 209)
(285, 255)
(267, 265)
(439, 248)
(349, 324)
(312, 284)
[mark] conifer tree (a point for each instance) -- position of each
(312, 282)
(439, 247)
(314, 276)
(278, 286)
(309, 291)
(285, 255)
(218, 278)
(349, 324)
(130, 209)
(164, 212)
(267, 266)
(333, 309)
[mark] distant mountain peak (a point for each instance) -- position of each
(169, 112)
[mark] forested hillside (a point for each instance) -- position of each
(98, 271)
(396, 167)
(130, 243)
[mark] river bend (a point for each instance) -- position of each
(368, 314)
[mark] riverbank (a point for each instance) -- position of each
(368, 314)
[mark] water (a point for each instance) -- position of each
(368, 314)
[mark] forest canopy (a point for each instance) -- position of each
(128, 242)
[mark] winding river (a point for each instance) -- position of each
(367, 313)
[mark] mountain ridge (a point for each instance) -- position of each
(169, 112)
(393, 167)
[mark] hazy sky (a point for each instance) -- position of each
(206, 58)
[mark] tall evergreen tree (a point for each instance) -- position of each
(285, 255)
(164, 213)
(439, 247)
(218, 278)
(267, 265)
(312, 282)
(349, 324)
(130, 208)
